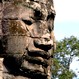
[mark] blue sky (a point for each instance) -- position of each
(67, 18)
(66, 29)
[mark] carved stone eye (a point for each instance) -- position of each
(28, 22)
(38, 14)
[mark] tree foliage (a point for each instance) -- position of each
(67, 49)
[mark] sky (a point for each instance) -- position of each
(67, 23)
(67, 18)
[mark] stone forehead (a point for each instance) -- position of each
(31, 2)
(42, 1)
(14, 7)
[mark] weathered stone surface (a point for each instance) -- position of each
(1, 68)
(1, 8)
(26, 38)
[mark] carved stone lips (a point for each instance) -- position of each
(36, 53)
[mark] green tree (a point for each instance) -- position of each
(67, 49)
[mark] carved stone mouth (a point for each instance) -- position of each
(42, 54)
(33, 74)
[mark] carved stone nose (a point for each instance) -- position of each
(46, 36)
(47, 39)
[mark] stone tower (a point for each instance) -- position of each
(26, 39)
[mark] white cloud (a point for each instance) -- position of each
(67, 10)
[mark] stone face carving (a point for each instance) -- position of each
(26, 38)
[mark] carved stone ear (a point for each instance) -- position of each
(51, 16)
